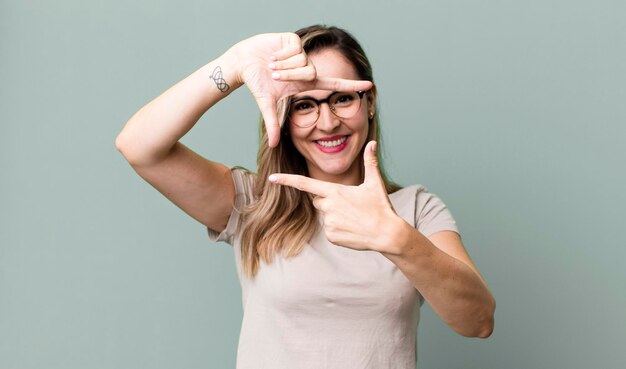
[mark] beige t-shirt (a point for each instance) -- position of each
(331, 306)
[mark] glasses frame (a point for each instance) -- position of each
(319, 104)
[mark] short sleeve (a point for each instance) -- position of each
(431, 214)
(244, 186)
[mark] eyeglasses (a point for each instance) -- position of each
(305, 112)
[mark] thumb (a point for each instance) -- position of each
(268, 110)
(370, 161)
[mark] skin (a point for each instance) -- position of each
(340, 167)
(359, 215)
(273, 66)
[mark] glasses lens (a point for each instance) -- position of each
(303, 112)
(345, 104)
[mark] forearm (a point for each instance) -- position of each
(153, 130)
(455, 292)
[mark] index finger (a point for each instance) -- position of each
(303, 183)
(340, 84)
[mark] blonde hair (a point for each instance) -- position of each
(280, 219)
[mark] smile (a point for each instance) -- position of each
(332, 143)
(331, 146)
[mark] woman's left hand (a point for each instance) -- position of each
(359, 217)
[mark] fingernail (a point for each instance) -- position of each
(272, 58)
(272, 65)
(276, 75)
(273, 178)
(374, 147)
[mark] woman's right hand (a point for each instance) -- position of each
(275, 66)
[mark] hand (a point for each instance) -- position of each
(275, 66)
(359, 217)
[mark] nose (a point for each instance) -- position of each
(327, 121)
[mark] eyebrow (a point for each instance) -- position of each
(311, 97)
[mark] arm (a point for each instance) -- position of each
(440, 268)
(149, 142)
(202, 188)
(362, 218)
(150, 134)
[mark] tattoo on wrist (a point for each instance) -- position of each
(220, 82)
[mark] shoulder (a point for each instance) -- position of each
(406, 196)
(422, 208)
(243, 173)
(408, 191)
(417, 192)
(403, 201)
(244, 181)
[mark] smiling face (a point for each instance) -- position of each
(332, 146)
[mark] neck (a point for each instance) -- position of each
(352, 177)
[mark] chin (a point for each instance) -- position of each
(337, 165)
(334, 169)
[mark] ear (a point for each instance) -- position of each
(371, 101)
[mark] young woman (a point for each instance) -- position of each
(334, 259)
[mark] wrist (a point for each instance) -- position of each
(395, 235)
(232, 58)
(224, 71)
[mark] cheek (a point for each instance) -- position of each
(363, 126)
(298, 138)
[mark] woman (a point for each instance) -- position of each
(334, 260)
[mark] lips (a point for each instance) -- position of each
(332, 144)
(332, 141)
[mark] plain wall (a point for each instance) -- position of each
(511, 111)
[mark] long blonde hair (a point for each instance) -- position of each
(281, 219)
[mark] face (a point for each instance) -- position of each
(332, 146)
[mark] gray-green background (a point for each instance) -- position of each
(512, 112)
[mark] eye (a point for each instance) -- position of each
(344, 99)
(303, 106)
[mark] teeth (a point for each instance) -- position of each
(332, 143)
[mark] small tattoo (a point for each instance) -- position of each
(220, 82)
